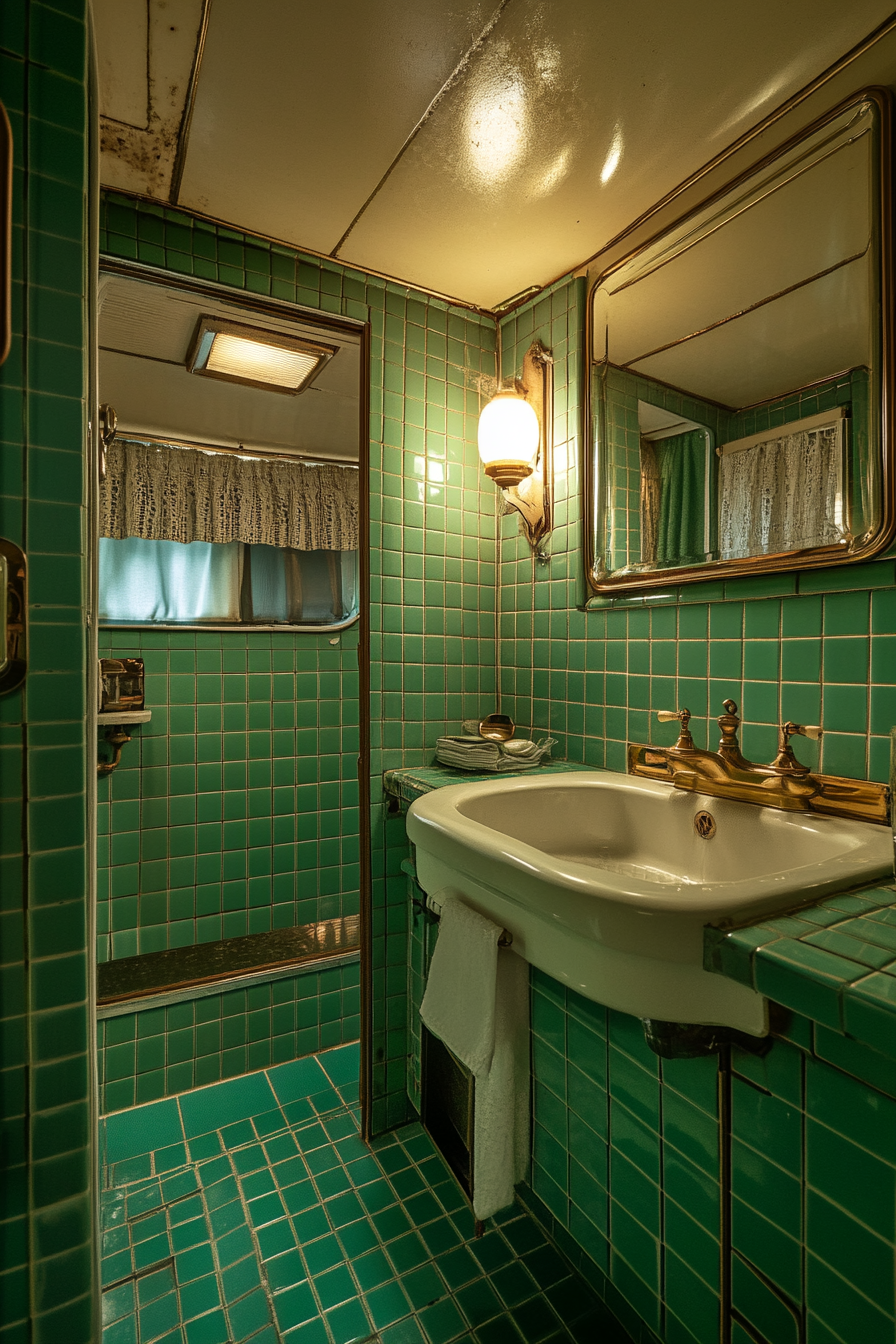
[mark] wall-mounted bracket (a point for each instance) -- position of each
(13, 616)
(117, 723)
(533, 498)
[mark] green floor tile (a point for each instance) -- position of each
(407, 1332)
(286, 1262)
(349, 1322)
(294, 1306)
(248, 1315)
(387, 1304)
(423, 1286)
(479, 1302)
(442, 1322)
(242, 1278)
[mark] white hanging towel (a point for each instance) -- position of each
(477, 1003)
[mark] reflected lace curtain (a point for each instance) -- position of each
(784, 494)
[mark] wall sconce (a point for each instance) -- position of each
(516, 442)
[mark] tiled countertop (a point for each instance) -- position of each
(833, 962)
(413, 782)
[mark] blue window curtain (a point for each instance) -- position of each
(144, 582)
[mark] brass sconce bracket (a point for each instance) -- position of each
(13, 616)
(116, 737)
(533, 498)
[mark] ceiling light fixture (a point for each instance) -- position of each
(239, 353)
(516, 442)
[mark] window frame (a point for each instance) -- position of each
(254, 306)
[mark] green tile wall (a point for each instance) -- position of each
(626, 1148)
(432, 530)
(432, 615)
(235, 810)
(162, 1051)
(626, 1157)
(46, 1194)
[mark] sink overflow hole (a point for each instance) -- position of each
(705, 825)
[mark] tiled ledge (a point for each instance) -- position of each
(834, 962)
(412, 782)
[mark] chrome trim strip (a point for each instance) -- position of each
(205, 991)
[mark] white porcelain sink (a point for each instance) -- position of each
(604, 882)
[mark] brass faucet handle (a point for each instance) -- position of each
(810, 730)
(785, 763)
(685, 741)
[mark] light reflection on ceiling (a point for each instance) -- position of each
(475, 149)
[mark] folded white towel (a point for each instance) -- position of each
(501, 1116)
(459, 1003)
(476, 753)
(477, 1003)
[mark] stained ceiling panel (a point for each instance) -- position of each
(145, 56)
(122, 55)
(474, 149)
(300, 109)
(573, 119)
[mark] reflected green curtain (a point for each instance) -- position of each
(682, 471)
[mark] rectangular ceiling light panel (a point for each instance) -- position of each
(239, 353)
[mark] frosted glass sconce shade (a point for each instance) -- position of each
(509, 434)
(516, 444)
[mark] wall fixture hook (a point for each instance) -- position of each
(116, 737)
(118, 724)
(13, 616)
(108, 429)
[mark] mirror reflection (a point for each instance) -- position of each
(737, 373)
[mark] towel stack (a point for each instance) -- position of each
(476, 753)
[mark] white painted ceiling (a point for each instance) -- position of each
(145, 333)
(474, 149)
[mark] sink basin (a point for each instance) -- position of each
(605, 883)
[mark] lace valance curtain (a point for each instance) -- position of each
(783, 494)
(183, 494)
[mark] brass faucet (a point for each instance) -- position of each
(726, 773)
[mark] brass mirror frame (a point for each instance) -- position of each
(817, 557)
(6, 153)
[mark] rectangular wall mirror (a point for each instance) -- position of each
(740, 372)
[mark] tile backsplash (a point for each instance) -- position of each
(235, 810)
(156, 1052)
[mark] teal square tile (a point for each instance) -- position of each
(846, 659)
